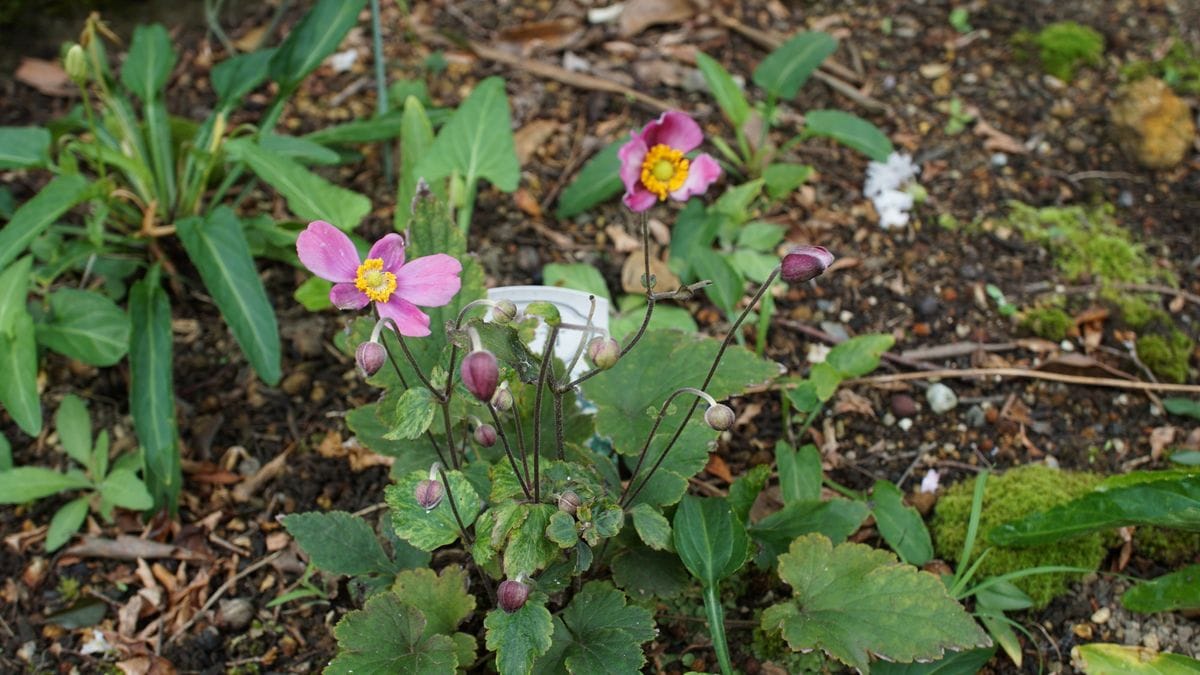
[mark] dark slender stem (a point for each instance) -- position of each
(520, 426)
(508, 451)
(808, 422)
(467, 538)
(558, 423)
(547, 354)
(449, 432)
(412, 360)
(662, 414)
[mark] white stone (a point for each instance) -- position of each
(941, 398)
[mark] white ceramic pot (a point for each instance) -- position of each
(573, 305)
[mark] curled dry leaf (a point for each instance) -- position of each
(634, 268)
(1160, 438)
(532, 136)
(622, 241)
(848, 401)
(639, 15)
(998, 141)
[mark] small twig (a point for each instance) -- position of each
(366, 511)
(221, 591)
(954, 349)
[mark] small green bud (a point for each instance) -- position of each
(504, 311)
(719, 417)
(75, 64)
(603, 352)
(544, 310)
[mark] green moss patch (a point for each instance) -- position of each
(1065, 46)
(1180, 68)
(1166, 354)
(1051, 323)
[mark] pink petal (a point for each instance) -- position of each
(429, 281)
(639, 199)
(411, 321)
(391, 249)
(632, 154)
(347, 296)
(674, 129)
(327, 252)
(702, 172)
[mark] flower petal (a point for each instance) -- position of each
(411, 321)
(701, 173)
(327, 252)
(674, 129)
(639, 199)
(391, 249)
(632, 154)
(429, 281)
(347, 296)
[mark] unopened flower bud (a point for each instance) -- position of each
(603, 352)
(75, 63)
(428, 494)
(480, 374)
(512, 595)
(569, 502)
(502, 400)
(370, 357)
(504, 311)
(485, 435)
(804, 263)
(546, 310)
(719, 416)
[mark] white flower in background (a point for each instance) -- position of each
(882, 187)
(930, 482)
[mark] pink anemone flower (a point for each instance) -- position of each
(653, 165)
(396, 287)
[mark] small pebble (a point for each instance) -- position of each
(1125, 199)
(928, 306)
(975, 417)
(836, 330)
(903, 405)
(1082, 630)
(1101, 615)
(235, 614)
(1150, 640)
(905, 424)
(888, 419)
(941, 398)
(999, 159)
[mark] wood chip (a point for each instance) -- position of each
(639, 15)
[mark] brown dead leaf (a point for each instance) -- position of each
(1034, 451)
(634, 268)
(331, 445)
(125, 547)
(1092, 314)
(251, 39)
(659, 72)
(1160, 438)
(532, 136)
(659, 231)
(527, 204)
(848, 401)
(554, 35)
(148, 664)
(277, 541)
(127, 616)
(717, 467)
(622, 241)
(998, 141)
(639, 15)
(48, 77)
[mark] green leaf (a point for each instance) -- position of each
(859, 355)
(302, 150)
(529, 550)
(599, 633)
(416, 136)
(74, 427)
(825, 380)
(308, 195)
(579, 276)
(411, 415)
(726, 92)
(1002, 596)
(850, 130)
(761, 236)
(27, 483)
(711, 543)
(1177, 590)
(727, 283)
(14, 289)
(1107, 659)
(313, 39)
(372, 130)
(388, 636)
(644, 572)
(518, 638)
(745, 490)
(787, 68)
(665, 317)
(218, 248)
(967, 662)
(37, 214)
(695, 230)
(85, 325)
(652, 527)
(442, 597)
(1186, 457)
(836, 520)
(800, 472)
(901, 526)
(369, 428)
(338, 542)
(239, 75)
(6, 462)
(1173, 503)
(98, 460)
(735, 202)
(65, 523)
(477, 141)
(18, 386)
(313, 293)
(149, 62)
(854, 601)
(123, 488)
(151, 389)
(782, 179)
(436, 527)
(597, 182)
(1179, 406)
(24, 147)
(561, 530)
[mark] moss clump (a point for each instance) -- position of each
(1086, 243)
(1172, 548)
(1136, 310)
(1180, 68)
(1065, 46)
(1167, 356)
(1051, 323)
(1016, 494)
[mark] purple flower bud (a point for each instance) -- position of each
(370, 356)
(504, 311)
(480, 374)
(719, 417)
(569, 502)
(512, 595)
(502, 400)
(804, 263)
(603, 352)
(485, 435)
(428, 494)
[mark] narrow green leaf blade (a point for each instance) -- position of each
(65, 523)
(237, 76)
(1108, 659)
(218, 248)
(337, 542)
(729, 97)
(901, 526)
(313, 39)
(85, 325)
(37, 214)
(74, 427)
(850, 130)
(27, 483)
(18, 385)
(152, 392)
(149, 63)
(14, 289)
(787, 68)
(1177, 590)
(24, 147)
(598, 182)
(477, 141)
(416, 135)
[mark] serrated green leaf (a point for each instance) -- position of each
(745, 490)
(1174, 591)
(520, 637)
(835, 519)
(901, 526)
(152, 391)
(528, 549)
(24, 147)
(724, 90)
(561, 530)
(85, 325)
(789, 66)
(18, 386)
(338, 542)
(123, 488)
(859, 355)
(37, 214)
(388, 636)
(800, 472)
(1109, 659)
(239, 75)
(643, 572)
(367, 426)
(853, 601)
(579, 276)
(65, 523)
(313, 39)
(27, 483)
(477, 141)
(411, 415)
(219, 250)
(850, 130)
(711, 543)
(14, 289)
(436, 527)
(782, 179)
(442, 597)
(74, 427)
(597, 182)
(602, 634)
(149, 61)
(652, 527)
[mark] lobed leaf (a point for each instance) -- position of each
(388, 636)
(519, 637)
(598, 633)
(436, 527)
(442, 597)
(337, 542)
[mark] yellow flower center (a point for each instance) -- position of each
(664, 170)
(373, 281)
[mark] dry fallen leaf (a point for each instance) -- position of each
(622, 241)
(555, 34)
(998, 141)
(848, 401)
(639, 15)
(717, 467)
(1160, 438)
(635, 267)
(46, 76)
(526, 203)
(532, 136)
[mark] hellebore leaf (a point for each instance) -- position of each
(389, 636)
(598, 633)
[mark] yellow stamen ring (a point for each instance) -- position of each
(664, 170)
(373, 281)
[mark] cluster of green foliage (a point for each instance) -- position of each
(1166, 354)
(1015, 494)
(1064, 47)
(1179, 68)
(1049, 322)
(1169, 547)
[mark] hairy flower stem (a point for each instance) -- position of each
(712, 370)
(445, 405)
(524, 481)
(543, 372)
(662, 414)
(412, 361)
(558, 423)
(467, 538)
